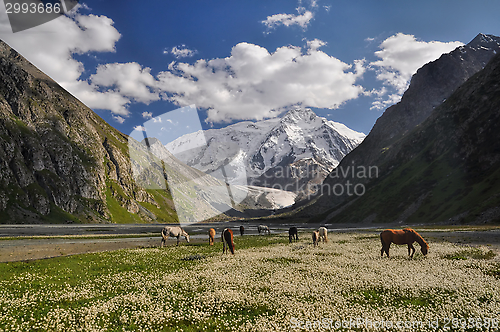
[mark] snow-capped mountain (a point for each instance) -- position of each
(199, 196)
(265, 152)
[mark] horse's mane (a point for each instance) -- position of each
(420, 239)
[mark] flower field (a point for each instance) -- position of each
(268, 285)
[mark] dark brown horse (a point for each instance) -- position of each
(293, 234)
(242, 230)
(404, 236)
(227, 240)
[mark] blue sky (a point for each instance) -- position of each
(132, 61)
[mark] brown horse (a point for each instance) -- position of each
(315, 238)
(404, 236)
(211, 236)
(242, 230)
(227, 240)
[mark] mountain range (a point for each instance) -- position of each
(435, 156)
(199, 196)
(292, 153)
(436, 151)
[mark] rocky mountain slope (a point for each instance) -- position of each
(436, 151)
(60, 162)
(288, 153)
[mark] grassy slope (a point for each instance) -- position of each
(49, 111)
(427, 176)
(444, 191)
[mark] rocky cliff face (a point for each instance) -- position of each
(436, 151)
(429, 88)
(59, 161)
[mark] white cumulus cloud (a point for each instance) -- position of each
(253, 83)
(130, 80)
(401, 56)
(302, 19)
(51, 47)
(140, 128)
(119, 119)
(181, 52)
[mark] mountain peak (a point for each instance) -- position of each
(299, 115)
(484, 41)
(268, 149)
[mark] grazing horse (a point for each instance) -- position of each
(404, 236)
(264, 228)
(227, 240)
(211, 236)
(315, 238)
(174, 231)
(293, 234)
(323, 234)
(242, 230)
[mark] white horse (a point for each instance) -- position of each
(264, 229)
(174, 231)
(323, 234)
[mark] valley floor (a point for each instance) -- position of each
(268, 285)
(81, 239)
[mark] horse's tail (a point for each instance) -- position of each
(326, 236)
(382, 239)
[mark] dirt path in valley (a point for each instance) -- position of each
(31, 249)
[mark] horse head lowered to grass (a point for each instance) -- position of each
(404, 236)
(293, 234)
(174, 231)
(227, 241)
(323, 234)
(264, 229)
